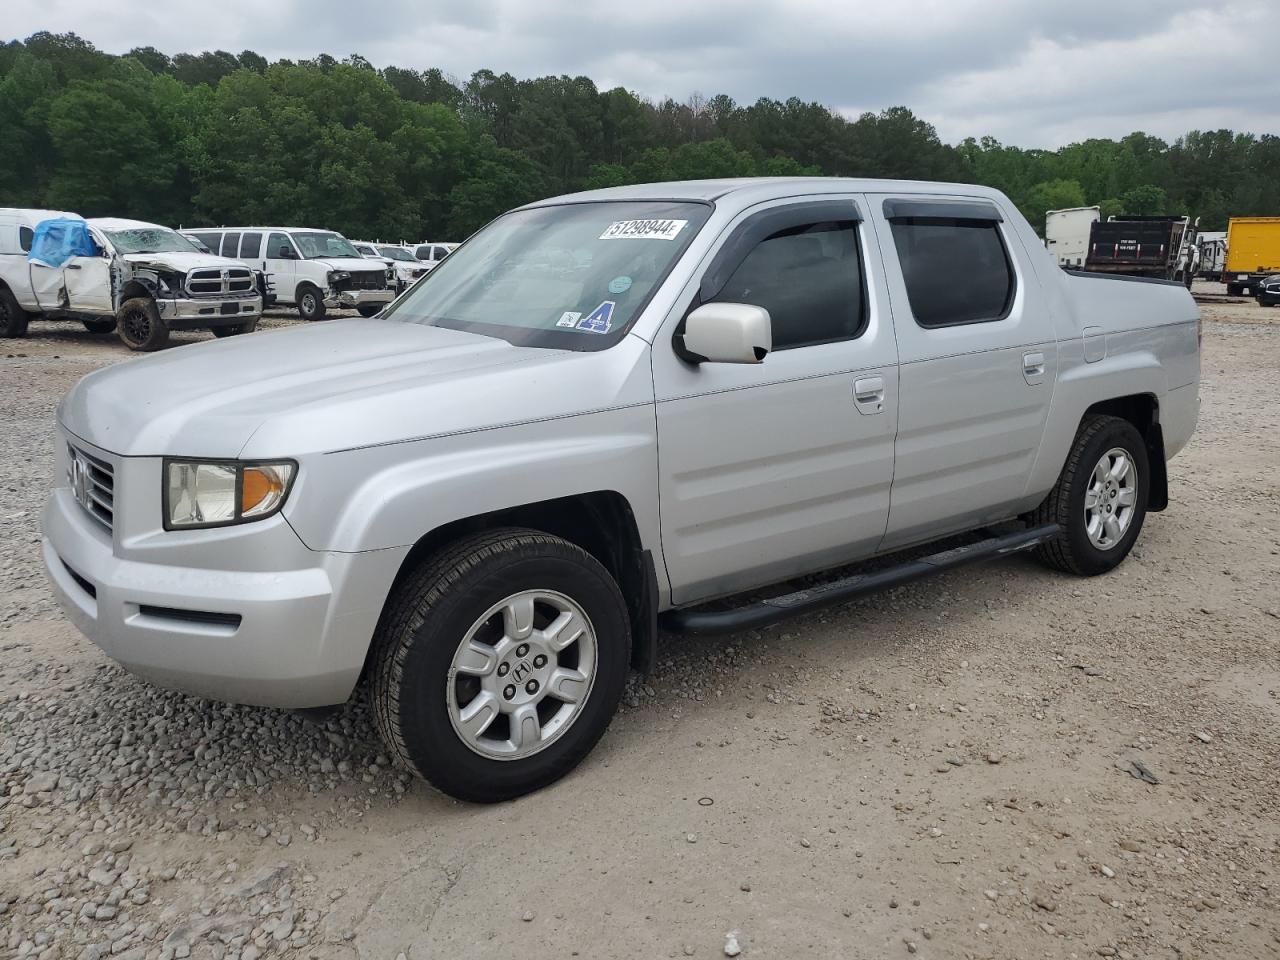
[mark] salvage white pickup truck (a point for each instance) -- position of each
(140, 279)
(601, 412)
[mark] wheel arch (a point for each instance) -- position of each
(1143, 411)
(601, 522)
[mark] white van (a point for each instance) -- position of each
(313, 270)
(431, 252)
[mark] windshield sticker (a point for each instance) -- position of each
(569, 318)
(599, 319)
(619, 284)
(644, 230)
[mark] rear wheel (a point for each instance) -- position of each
(139, 325)
(13, 319)
(99, 324)
(499, 664)
(310, 303)
(1234, 290)
(1100, 499)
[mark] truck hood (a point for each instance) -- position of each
(343, 384)
(181, 262)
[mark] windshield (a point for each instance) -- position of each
(573, 276)
(396, 253)
(316, 244)
(150, 240)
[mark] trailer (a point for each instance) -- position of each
(1159, 247)
(1066, 234)
(1213, 254)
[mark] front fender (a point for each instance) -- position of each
(391, 496)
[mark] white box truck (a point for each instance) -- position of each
(1066, 234)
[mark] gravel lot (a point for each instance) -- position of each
(946, 770)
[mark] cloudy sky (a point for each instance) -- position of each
(1028, 72)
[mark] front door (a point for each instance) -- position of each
(283, 270)
(779, 468)
(977, 354)
(89, 287)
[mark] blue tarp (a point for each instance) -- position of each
(57, 241)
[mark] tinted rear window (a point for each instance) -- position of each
(250, 245)
(956, 271)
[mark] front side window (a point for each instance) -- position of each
(423, 253)
(809, 278)
(318, 244)
(956, 270)
(278, 245)
(573, 276)
(150, 240)
(25, 236)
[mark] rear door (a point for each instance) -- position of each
(977, 363)
(773, 469)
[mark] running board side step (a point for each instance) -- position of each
(765, 612)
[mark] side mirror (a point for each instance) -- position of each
(728, 333)
(285, 253)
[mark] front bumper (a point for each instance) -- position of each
(292, 635)
(1269, 298)
(358, 298)
(191, 314)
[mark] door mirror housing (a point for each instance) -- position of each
(285, 253)
(727, 333)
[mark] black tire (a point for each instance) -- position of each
(13, 319)
(310, 302)
(367, 310)
(430, 614)
(1234, 290)
(1073, 551)
(235, 329)
(139, 325)
(99, 324)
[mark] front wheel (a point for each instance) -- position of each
(499, 664)
(310, 303)
(1100, 499)
(367, 310)
(99, 324)
(1234, 290)
(13, 319)
(235, 329)
(139, 325)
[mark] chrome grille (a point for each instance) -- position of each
(93, 484)
(221, 281)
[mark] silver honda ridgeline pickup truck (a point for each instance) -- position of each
(600, 413)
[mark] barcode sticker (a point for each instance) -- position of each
(644, 230)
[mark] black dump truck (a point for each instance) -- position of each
(1160, 247)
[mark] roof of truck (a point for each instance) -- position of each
(120, 223)
(767, 188)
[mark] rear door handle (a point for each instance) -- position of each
(1033, 367)
(868, 394)
(73, 266)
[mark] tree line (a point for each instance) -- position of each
(396, 153)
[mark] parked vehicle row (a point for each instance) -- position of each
(605, 412)
(140, 279)
(145, 280)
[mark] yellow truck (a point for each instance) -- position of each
(1253, 252)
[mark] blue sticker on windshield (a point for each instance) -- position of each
(619, 284)
(599, 319)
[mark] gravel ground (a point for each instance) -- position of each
(949, 770)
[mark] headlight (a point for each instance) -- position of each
(335, 275)
(219, 494)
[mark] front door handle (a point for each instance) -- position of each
(868, 394)
(73, 266)
(1033, 367)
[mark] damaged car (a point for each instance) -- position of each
(140, 279)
